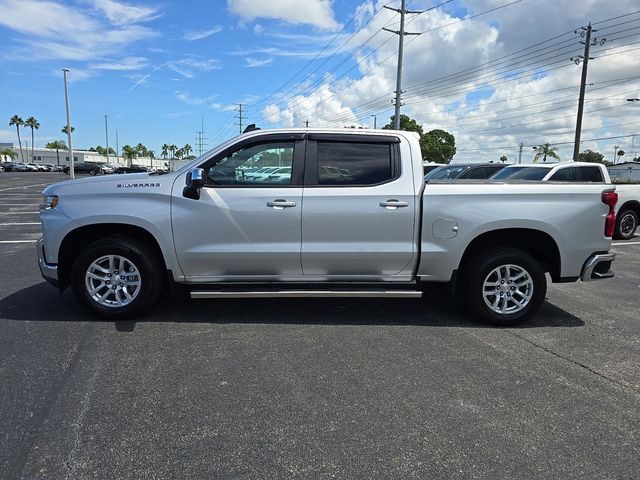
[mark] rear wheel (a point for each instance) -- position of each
(504, 286)
(117, 278)
(626, 224)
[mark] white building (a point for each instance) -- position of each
(46, 156)
(628, 171)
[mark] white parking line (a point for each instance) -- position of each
(21, 223)
(18, 241)
(17, 213)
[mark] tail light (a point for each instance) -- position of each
(610, 199)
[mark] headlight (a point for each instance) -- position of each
(48, 202)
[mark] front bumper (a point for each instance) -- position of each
(598, 267)
(49, 272)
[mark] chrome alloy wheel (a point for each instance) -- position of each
(113, 281)
(627, 224)
(507, 289)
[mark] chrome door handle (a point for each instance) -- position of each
(280, 203)
(392, 204)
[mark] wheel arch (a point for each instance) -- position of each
(631, 204)
(540, 245)
(80, 237)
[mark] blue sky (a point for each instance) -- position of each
(158, 69)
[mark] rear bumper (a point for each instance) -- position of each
(598, 267)
(49, 272)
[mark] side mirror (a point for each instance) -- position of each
(194, 182)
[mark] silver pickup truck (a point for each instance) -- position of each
(321, 213)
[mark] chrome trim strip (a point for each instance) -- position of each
(310, 294)
(47, 270)
(590, 265)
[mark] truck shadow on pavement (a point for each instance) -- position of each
(437, 309)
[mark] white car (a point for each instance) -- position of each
(555, 172)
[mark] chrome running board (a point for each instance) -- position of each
(309, 294)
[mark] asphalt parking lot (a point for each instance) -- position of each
(312, 388)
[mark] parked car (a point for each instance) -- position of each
(1, 168)
(53, 168)
(38, 167)
(85, 167)
(464, 171)
(555, 172)
(382, 233)
(628, 211)
(132, 169)
(427, 167)
(30, 167)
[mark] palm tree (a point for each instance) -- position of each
(32, 122)
(503, 158)
(172, 149)
(17, 121)
(187, 150)
(57, 145)
(128, 152)
(64, 130)
(545, 151)
(141, 150)
(165, 151)
(7, 152)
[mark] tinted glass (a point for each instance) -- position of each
(569, 174)
(448, 172)
(354, 163)
(591, 174)
(481, 172)
(264, 164)
(521, 173)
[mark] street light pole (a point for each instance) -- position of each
(375, 119)
(615, 152)
(106, 135)
(66, 98)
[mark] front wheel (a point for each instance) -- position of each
(626, 224)
(117, 278)
(504, 286)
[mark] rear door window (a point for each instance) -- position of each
(354, 163)
(591, 174)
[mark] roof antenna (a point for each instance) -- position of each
(251, 128)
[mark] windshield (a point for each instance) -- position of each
(521, 173)
(443, 173)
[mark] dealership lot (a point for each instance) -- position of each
(312, 388)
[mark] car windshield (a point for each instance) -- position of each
(521, 173)
(442, 173)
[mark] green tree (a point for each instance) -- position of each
(590, 156)
(544, 151)
(33, 124)
(172, 149)
(619, 153)
(128, 152)
(503, 158)
(64, 130)
(438, 146)
(57, 145)
(407, 124)
(165, 151)
(17, 122)
(186, 150)
(7, 152)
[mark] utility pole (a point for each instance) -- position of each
(66, 99)
(117, 149)
(239, 117)
(375, 121)
(106, 135)
(401, 33)
(520, 154)
(306, 124)
(585, 32)
(615, 153)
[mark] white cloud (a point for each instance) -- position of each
(186, 98)
(187, 66)
(201, 34)
(256, 62)
(489, 113)
(314, 12)
(60, 32)
(127, 63)
(120, 13)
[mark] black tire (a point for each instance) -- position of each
(482, 268)
(626, 224)
(92, 172)
(140, 256)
